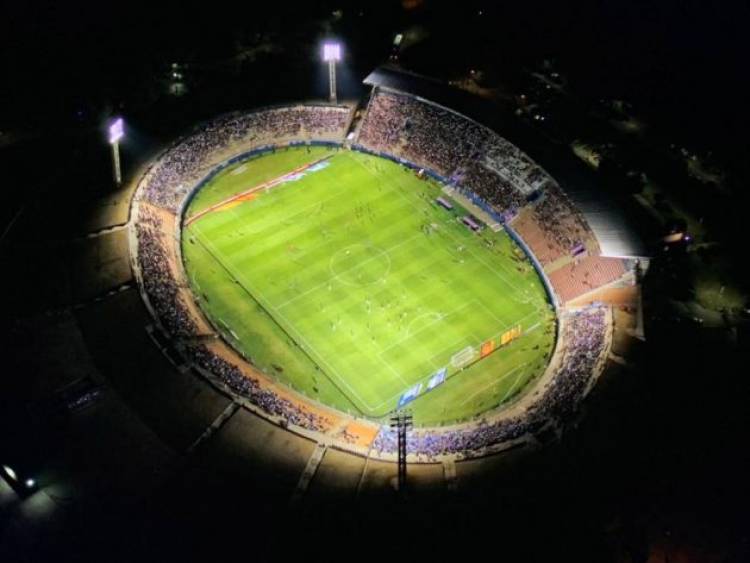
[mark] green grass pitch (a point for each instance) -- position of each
(348, 283)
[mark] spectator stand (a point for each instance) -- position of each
(160, 199)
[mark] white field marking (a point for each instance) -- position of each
(402, 340)
(464, 357)
(516, 322)
(397, 374)
(465, 341)
(491, 383)
(512, 387)
(486, 308)
(471, 340)
(259, 297)
(275, 183)
(195, 282)
(447, 231)
(276, 310)
(519, 321)
(407, 385)
(295, 212)
(238, 218)
(337, 375)
(517, 292)
(533, 327)
(507, 269)
(462, 340)
(238, 170)
(318, 286)
(341, 280)
(488, 266)
(311, 349)
(453, 346)
(300, 211)
(432, 314)
(518, 299)
(265, 186)
(333, 371)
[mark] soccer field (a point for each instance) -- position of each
(338, 274)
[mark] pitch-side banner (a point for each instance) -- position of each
(410, 394)
(437, 378)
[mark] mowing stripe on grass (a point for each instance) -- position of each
(372, 283)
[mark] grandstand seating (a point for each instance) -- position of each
(251, 388)
(172, 177)
(471, 157)
(479, 160)
(581, 276)
(552, 228)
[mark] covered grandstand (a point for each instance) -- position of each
(615, 231)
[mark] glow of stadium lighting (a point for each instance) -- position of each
(331, 52)
(331, 55)
(116, 132)
(10, 472)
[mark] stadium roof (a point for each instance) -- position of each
(606, 213)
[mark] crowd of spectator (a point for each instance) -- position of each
(158, 279)
(584, 340)
(562, 222)
(451, 145)
(251, 389)
(181, 166)
(491, 187)
(420, 132)
(514, 166)
(472, 157)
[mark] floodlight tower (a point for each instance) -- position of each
(401, 422)
(116, 132)
(331, 55)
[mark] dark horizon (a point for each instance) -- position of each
(679, 63)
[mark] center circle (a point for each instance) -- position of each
(360, 264)
(303, 279)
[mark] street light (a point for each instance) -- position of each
(116, 132)
(331, 55)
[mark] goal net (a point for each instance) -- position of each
(464, 357)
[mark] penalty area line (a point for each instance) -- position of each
(267, 184)
(495, 382)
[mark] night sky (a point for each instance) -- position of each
(680, 61)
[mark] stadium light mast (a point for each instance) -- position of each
(116, 132)
(331, 55)
(401, 422)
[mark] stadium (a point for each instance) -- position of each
(404, 280)
(331, 265)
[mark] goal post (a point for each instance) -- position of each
(464, 357)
